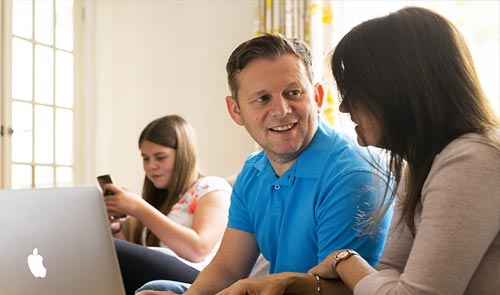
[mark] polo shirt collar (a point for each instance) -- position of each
(317, 152)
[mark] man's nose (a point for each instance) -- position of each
(280, 107)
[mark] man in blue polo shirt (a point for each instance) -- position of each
(307, 192)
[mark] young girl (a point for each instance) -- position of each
(180, 216)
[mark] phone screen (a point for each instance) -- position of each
(103, 179)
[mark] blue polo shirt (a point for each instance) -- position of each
(314, 208)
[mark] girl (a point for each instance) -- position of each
(180, 216)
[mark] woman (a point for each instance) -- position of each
(409, 84)
(180, 216)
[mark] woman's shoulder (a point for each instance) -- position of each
(471, 151)
(474, 143)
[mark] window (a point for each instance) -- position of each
(38, 93)
(478, 21)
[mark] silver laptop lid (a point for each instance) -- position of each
(56, 241)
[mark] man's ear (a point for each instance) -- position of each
(234, 110)
(319, 94)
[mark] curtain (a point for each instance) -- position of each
(311, 21)
(286, 17)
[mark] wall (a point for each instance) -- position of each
(148, 58)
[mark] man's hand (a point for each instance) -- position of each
(275, 284)
(149, 292)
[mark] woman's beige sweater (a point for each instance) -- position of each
(456, 249)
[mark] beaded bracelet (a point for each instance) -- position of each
(318, 282)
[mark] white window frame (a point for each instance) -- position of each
(6, 96)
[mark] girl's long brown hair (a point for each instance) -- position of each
(174, 132)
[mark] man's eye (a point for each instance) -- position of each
(294, 93)
(263, 98)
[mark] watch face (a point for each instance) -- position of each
(342, 254)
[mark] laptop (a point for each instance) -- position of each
(56, 241)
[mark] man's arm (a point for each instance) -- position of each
(234, 260)
(347, 204)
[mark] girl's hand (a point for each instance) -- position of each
(116, 224)
(122, 202)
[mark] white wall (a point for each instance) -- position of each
(148, 58)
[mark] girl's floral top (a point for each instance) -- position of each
(183, 211)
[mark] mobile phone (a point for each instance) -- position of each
(103, 179)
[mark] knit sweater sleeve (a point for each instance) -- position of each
(457, 229)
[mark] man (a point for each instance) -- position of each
(305, 194)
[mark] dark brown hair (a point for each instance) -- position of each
(267, 46)
(412, 70)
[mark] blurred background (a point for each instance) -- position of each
(80, 79)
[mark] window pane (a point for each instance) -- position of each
(478, 22)
(64, 24)
(64, 137)
(21, 176)
(64, 79)
(22, 69)
(21, 116)
(22, 136)
(64, 176)
(44, 176)
(483, 38)
(21, 18)
(44, 74)
(44, 21)
(44, 135)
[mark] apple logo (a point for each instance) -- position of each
(35, 263)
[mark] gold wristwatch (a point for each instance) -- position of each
(340, 256)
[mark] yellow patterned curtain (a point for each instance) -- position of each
(286, 17)
(312, 22)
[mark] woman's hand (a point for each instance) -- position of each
(324, 269)
(351, 270)
(275, 284)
